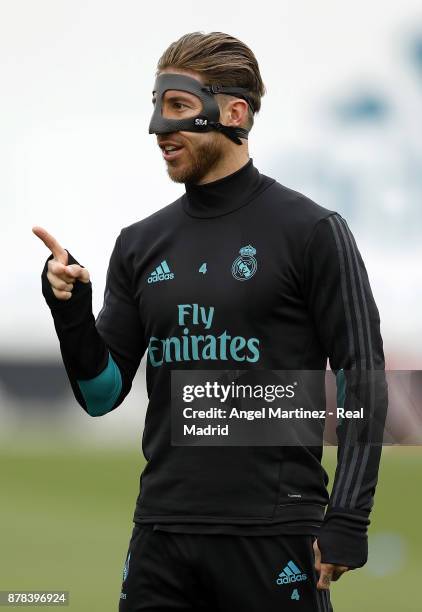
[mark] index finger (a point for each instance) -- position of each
(51, 243)
(325, 575)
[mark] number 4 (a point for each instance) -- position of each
(295, 594)
(203, 268)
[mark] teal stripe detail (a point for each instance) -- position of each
(341, 390)
(101, 392)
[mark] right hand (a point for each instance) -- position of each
(60, 275)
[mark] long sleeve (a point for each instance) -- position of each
(101, 356)
(347, 323)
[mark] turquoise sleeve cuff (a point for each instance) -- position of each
(100, 393)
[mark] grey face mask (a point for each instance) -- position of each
(209, 118)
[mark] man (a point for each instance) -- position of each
(238, 272)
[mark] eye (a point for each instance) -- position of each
(180, 104)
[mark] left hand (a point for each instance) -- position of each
(327, 571)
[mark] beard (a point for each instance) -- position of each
(198, 160)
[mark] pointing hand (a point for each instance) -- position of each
(61, 276)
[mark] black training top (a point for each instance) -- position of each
(282, 286)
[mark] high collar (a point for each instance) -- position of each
(226, 194)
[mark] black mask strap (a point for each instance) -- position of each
(231, 132)
(239, 92)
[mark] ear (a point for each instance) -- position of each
(233, 111)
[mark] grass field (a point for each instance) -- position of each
(66, 519)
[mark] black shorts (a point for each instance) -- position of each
(220, 573)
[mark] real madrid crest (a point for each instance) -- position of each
(244, 266)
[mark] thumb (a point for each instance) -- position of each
(78, 272)
(317, 554)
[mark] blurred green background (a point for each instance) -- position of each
(66, 520)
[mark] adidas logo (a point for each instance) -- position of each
(291, 573)
(161, 273)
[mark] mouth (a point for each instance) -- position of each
(170, 151)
